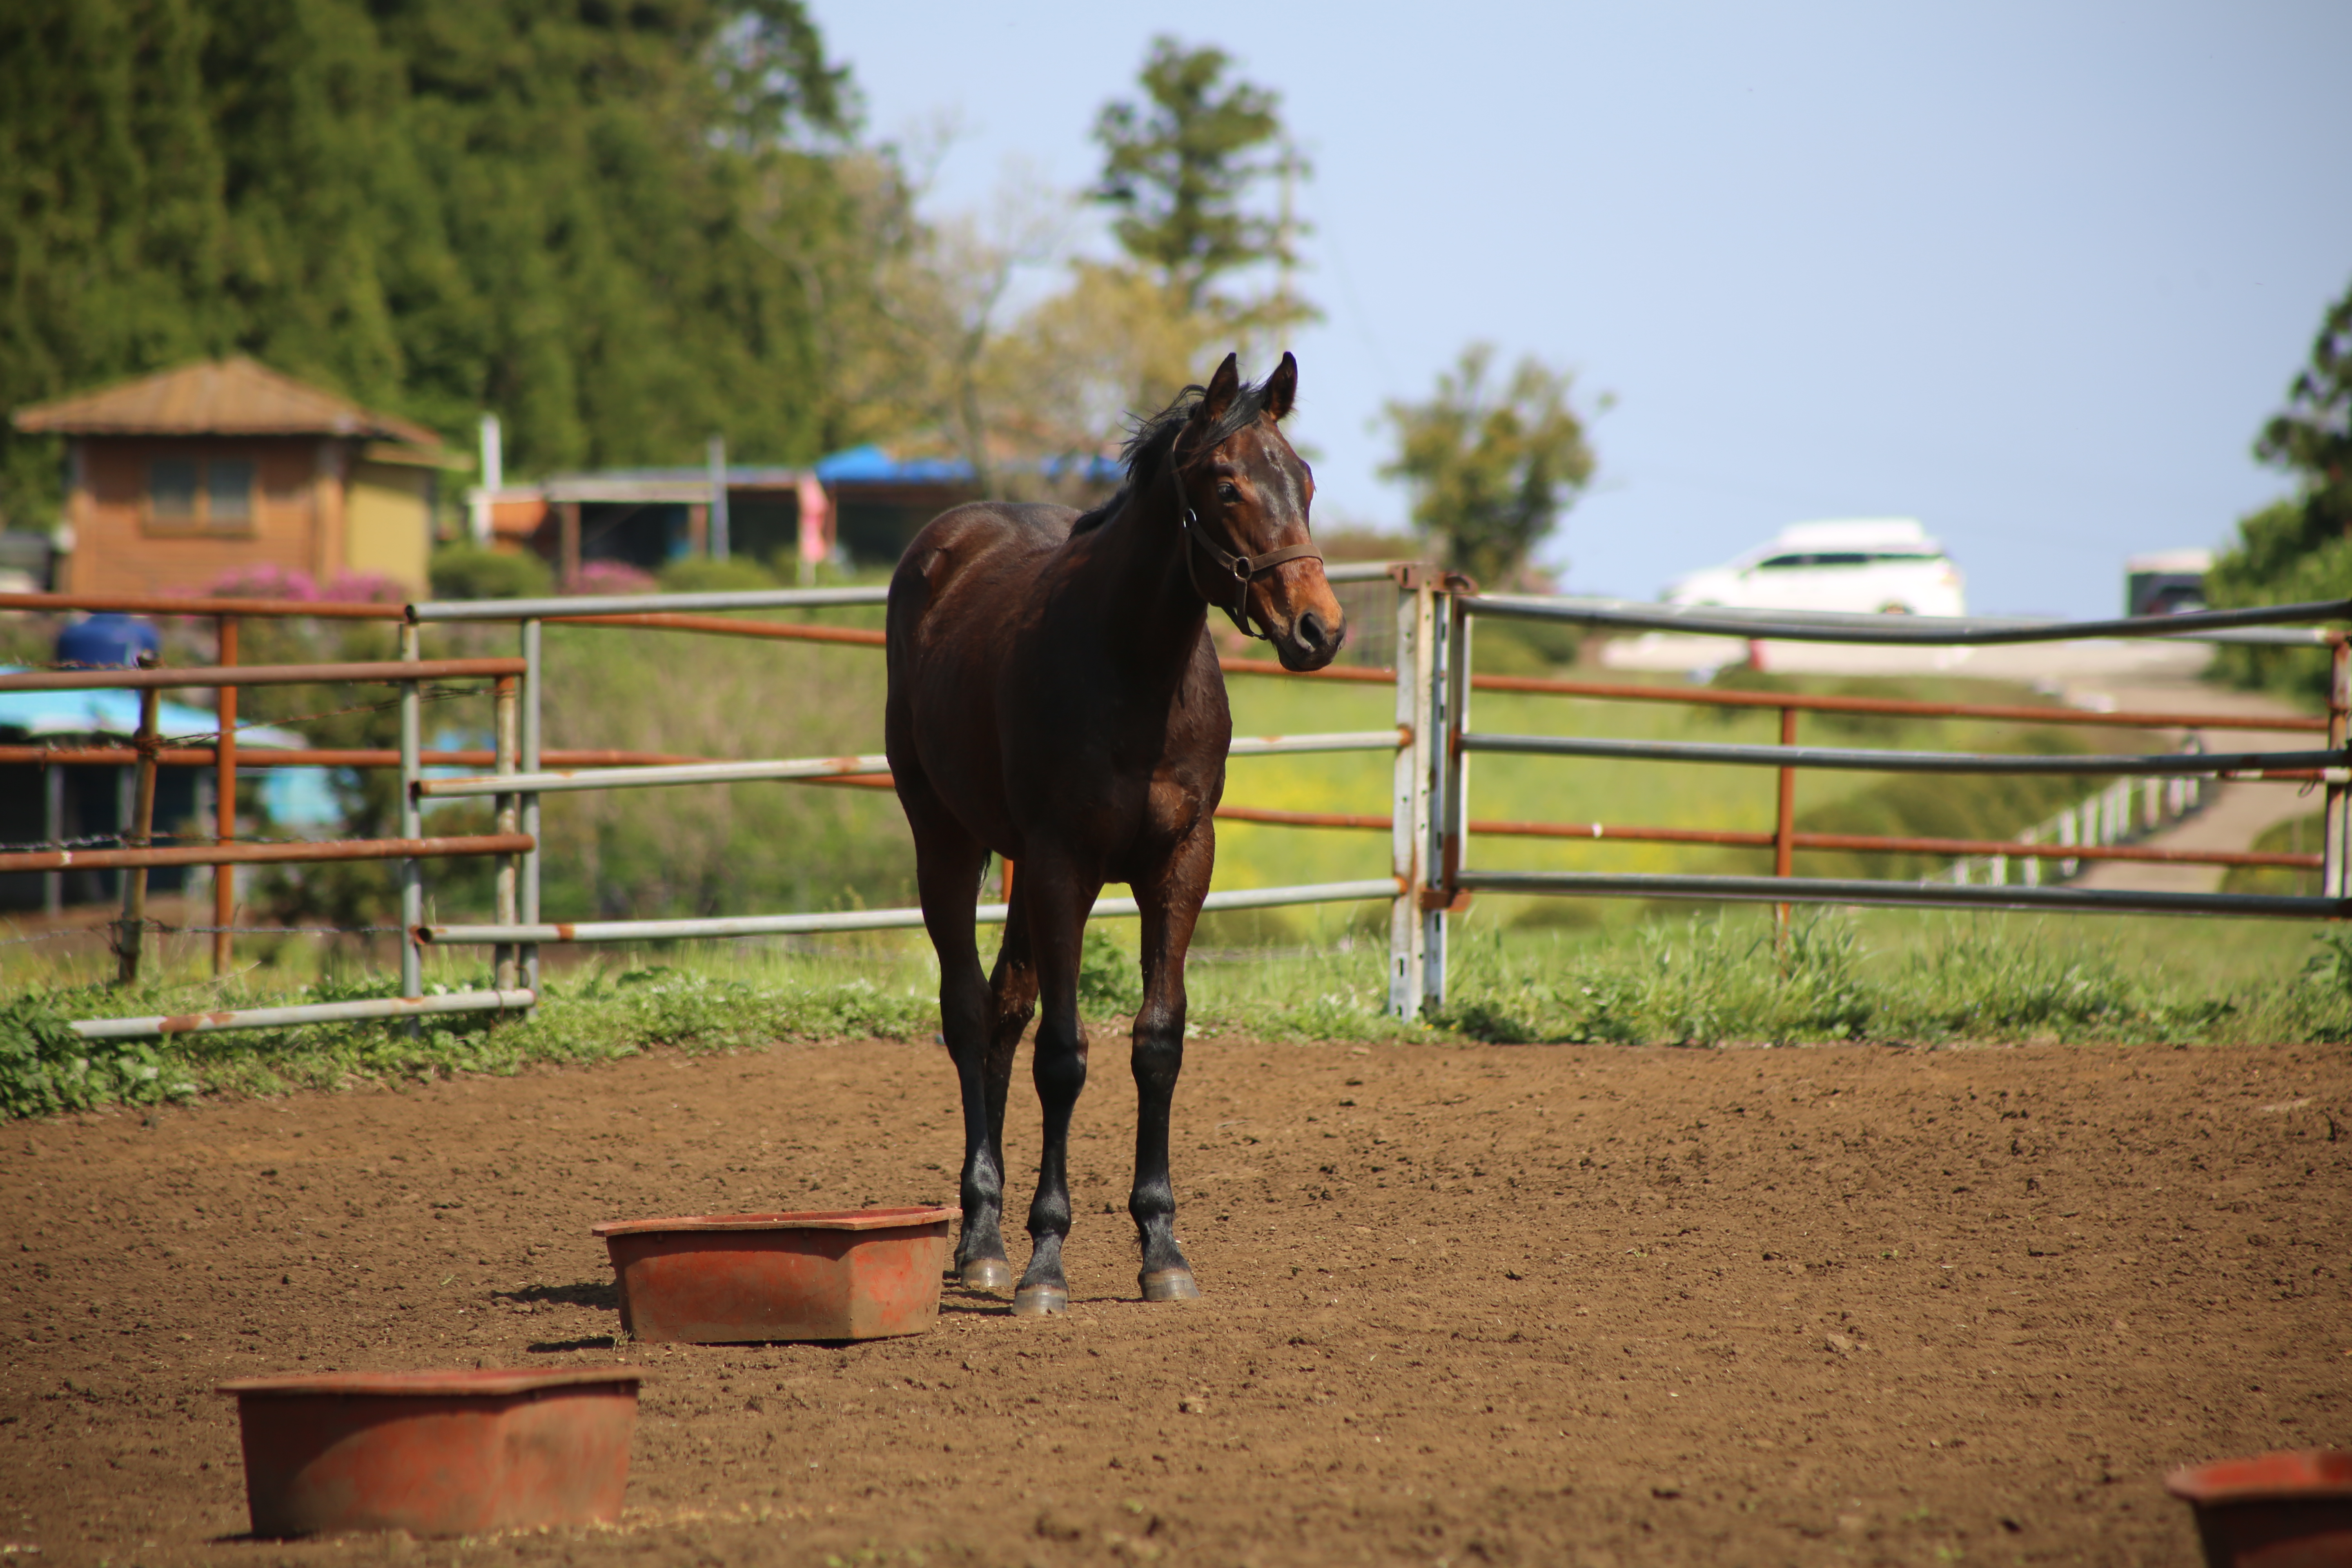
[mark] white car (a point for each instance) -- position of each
(1876, 565)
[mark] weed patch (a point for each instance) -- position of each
(1704, 981)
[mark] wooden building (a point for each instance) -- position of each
(176, 479)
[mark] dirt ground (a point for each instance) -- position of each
(1464, 1305)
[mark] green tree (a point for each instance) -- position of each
(1490, 470)
(623, 227)
(113, 232)
(2298, 548)
(1179, 167)
(2310, 437)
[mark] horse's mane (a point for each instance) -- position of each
(1152, 442)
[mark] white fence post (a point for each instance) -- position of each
(1449, 712)
(1409, 802)
(411, 823)
(2334, 852)
(534, 675)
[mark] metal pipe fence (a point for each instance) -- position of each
(136, 855)
(522, 771)
(689, 613)
(2139, 794)
(1429, 822)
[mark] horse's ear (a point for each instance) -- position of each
(1282, 387)
(1223, 387)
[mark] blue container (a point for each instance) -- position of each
(108, 642)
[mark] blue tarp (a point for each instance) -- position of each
(44, 713)
(295, 797)
(873, 466)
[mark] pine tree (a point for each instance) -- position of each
(1179, 167)
(113, 223)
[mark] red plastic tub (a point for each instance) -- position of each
(2287, 1510)
(436, 1453)
(730, 1279)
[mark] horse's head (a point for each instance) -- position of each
(1248, 494)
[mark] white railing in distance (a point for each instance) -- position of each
(875, 919)
(310, 1013)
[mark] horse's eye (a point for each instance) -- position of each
(1226, 492)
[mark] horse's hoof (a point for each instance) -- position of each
(1169, 1285)
(987, 1274)
(1040, 1302)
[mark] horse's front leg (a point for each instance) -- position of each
(1171, 902)
(1057, 900)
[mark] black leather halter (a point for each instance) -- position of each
(1239, 571)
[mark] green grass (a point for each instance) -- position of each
(2305, 835)
(595, 1013)
(1898, 977)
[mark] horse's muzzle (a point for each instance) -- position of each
(1310, 643)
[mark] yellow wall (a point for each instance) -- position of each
(388, 522)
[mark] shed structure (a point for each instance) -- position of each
(176, 479)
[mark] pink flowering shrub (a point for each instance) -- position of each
(611, 577)
(364, 588)
(269, 581)
(262, 581)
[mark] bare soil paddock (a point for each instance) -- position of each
(1466, 1305)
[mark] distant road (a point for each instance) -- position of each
(2235, 815)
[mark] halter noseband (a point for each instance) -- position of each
(1241, 570)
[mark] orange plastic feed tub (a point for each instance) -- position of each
(436, 1453)
(2286, 1510)
(733, 1278)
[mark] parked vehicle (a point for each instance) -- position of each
(2168, 583)
(1886, 565)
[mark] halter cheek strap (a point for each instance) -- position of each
(1234, 572)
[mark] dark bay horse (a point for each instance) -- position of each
(1054, 699)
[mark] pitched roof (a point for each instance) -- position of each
(219, 397)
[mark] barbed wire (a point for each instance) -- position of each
(140, 746)
(427, 694)
(112, 929)
(136, 746)
(95, 840)
(120, 841)
(271, 930)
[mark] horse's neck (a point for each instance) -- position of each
(1156, 614)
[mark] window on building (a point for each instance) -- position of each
(171, 490)
(201, 493)
(229, 491)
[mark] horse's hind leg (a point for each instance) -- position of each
(947, 874)
(1171, 905)
(1012, 997)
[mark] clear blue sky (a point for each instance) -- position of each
(2034, 274)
